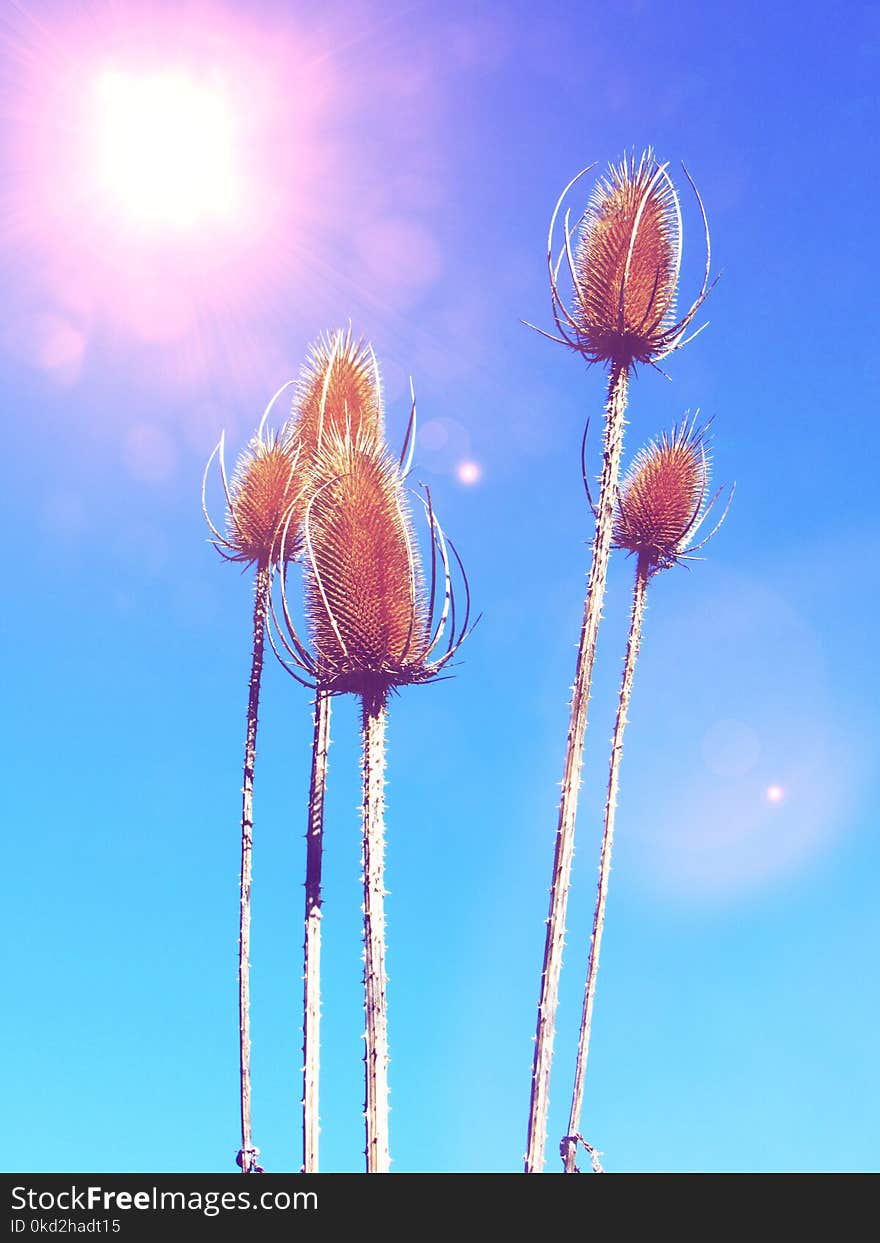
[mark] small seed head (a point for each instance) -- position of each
(662, 495)
(263, 486)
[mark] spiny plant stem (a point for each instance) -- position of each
(568, 1147)
(555, 938)
(312, 947)
(375, 983)
(261, 602)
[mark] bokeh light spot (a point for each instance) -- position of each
(469, 473)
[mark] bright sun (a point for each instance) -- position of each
(166, 149)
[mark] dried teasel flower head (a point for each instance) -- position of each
(339, 387)
(265, 483)
(370, 614)
(623, 257)
(662, 501)
(365, 590)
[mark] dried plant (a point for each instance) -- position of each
(265, 484)
(624, 266)
(339, 385)
(374, 626)
(339, 390)
(365, 600)
(312, 942)
(662, 505)
(623, 257)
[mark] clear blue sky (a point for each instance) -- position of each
(411, 163)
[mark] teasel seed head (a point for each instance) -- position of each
(623, 257)
(265, 484)
(365, 590)
(662, 501)
(374, 624)
(339, 387)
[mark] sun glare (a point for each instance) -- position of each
(166, 158)
(165, 149)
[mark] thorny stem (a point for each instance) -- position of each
(375, 982)
(248, 1153)
(568, 1147)
(555, 938)
(312, 947)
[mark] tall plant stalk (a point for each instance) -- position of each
(259, 495)
(375, 626)
(338, 389)
(659, 510)
(248, 1154)
(559, 889)
(312, 946)
(373, 718)
(623, 258)
(570, 1142)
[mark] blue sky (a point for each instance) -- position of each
(410, 164)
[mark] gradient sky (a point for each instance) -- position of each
(400, 166)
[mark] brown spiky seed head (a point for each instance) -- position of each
(339, 388)
(364, 588)
(626, 264)
(265, 483)
(662, 495)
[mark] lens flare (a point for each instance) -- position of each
(165, 149)
(165, 159)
